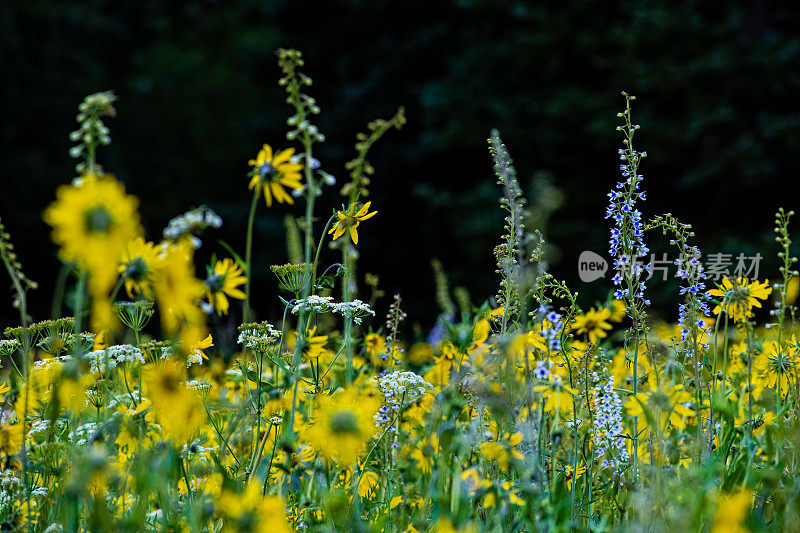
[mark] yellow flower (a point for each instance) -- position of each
(570, 476)
(737, 359)
(792, 289)
(445, 526)
(375, 343)
(662, 405)
(93, 220)
(739, 297)
(316, 343)
(420, 353)
(341, 425)
(197, 346)
(557, 395)
(618, 311)
(732, 510)
(72, 392)
(176, 407)
(224, 281)
(10, 438)
(271, 175)
(350, 219)
(139, 262)
(176, 288)
(777, 365)
(367, 483)
(593, 324)
(4, 388)
(252, 512)
(503, 450)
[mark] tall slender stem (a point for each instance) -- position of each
(248, 254)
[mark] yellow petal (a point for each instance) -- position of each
(366, 217)
(283, 157)
(266, 152)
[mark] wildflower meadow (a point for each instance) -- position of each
(518, 411)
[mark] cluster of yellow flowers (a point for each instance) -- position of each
(506, 417)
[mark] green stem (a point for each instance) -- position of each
(248, 255)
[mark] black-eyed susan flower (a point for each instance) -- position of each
(139, 262)
(732, 511)
(593, 323)
(271, 174)
(557, 395)
(223, 281)
(341, 425)
(661, 404)
(314, 344)
(252, 511)
(571, 476)
(739, 297)
(10, 438)
(349, 219)
(503, 450)
(93, 220)
(777, 365)
(176, 407)
(176, 288)
(374, 344)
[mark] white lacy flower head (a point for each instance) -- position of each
(82, 434)
(194, 358)
(192, 221)
(314, 303)
(10, 487)
(113, 356)
(9, 346)
(408, 385)
(199, 385)
(355, 309)
(258, 335)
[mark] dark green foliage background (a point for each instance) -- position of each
(718, 104)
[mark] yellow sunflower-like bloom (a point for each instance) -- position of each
(618, 311)
(557, 395)
(176, 407)
(732, 510)
(593, 323)
(10, 438)
(661, 405)
(315, 344)
(93, 221)
(349, 220)
(176, 288)
(224, 281)
(374, 343)
(503, 450)
(139, 262)
(272, 174)
(777, 365)
(570, 476)
(740, 296)
(252, 511)
(341, 425)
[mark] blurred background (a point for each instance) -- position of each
(718, 102)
